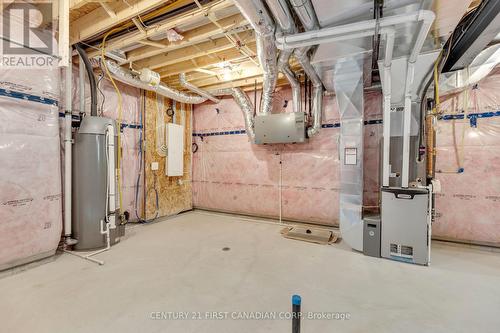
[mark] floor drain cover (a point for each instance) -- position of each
(226, 248)
(319, 236)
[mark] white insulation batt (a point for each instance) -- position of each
(30, 172)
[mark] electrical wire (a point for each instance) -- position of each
(120, 110)
(139, 156)
(101, 76)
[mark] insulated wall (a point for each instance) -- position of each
(300, 180)
(30, 175)
(468, 206)
(230, 174)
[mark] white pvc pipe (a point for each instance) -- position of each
(427, 17)
(67, 151)
(348, 31)
(389, 47)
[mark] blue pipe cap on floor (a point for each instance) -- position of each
(296, 300)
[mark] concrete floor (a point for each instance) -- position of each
(177, 265)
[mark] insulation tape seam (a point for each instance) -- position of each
(471, 116)
(28, 97)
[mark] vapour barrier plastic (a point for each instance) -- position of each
(348, 84)
(230, 174)
(467, 208)
(30, 196)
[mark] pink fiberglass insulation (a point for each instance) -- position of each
(230, 174)
(130, 162)
(467, 208)
(30, 174)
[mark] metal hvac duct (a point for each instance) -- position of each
(307, 17)
(195, 89)
(241, 98)
(282, 15)
(128, 77)
(257, 15)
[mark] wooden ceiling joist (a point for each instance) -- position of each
(204, 61)
(189, 16)
(193, 36)
(99, 21)
(186, 53)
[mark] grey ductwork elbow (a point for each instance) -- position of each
(317, 102)
(307, 16)
(257, 15)
(283, 16)
(195, 89)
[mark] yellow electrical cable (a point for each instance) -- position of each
(120, 106)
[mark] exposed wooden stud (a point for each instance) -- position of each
(64, 33)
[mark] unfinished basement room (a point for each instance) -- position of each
(213, 166)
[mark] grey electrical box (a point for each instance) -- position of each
(405, 220)
(280, 128)
(371, 236)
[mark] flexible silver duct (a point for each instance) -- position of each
(126, 76)
(257, 15)
(307, 17)
(241, 98)
(195, 89)
(245, 104)
(282, 15)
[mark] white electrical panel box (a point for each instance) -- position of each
(174, 137)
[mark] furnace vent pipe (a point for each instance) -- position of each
(195, 89)
(307, 16)
(282, 15)
(257, 15)
(427, 17)
(92, 82)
